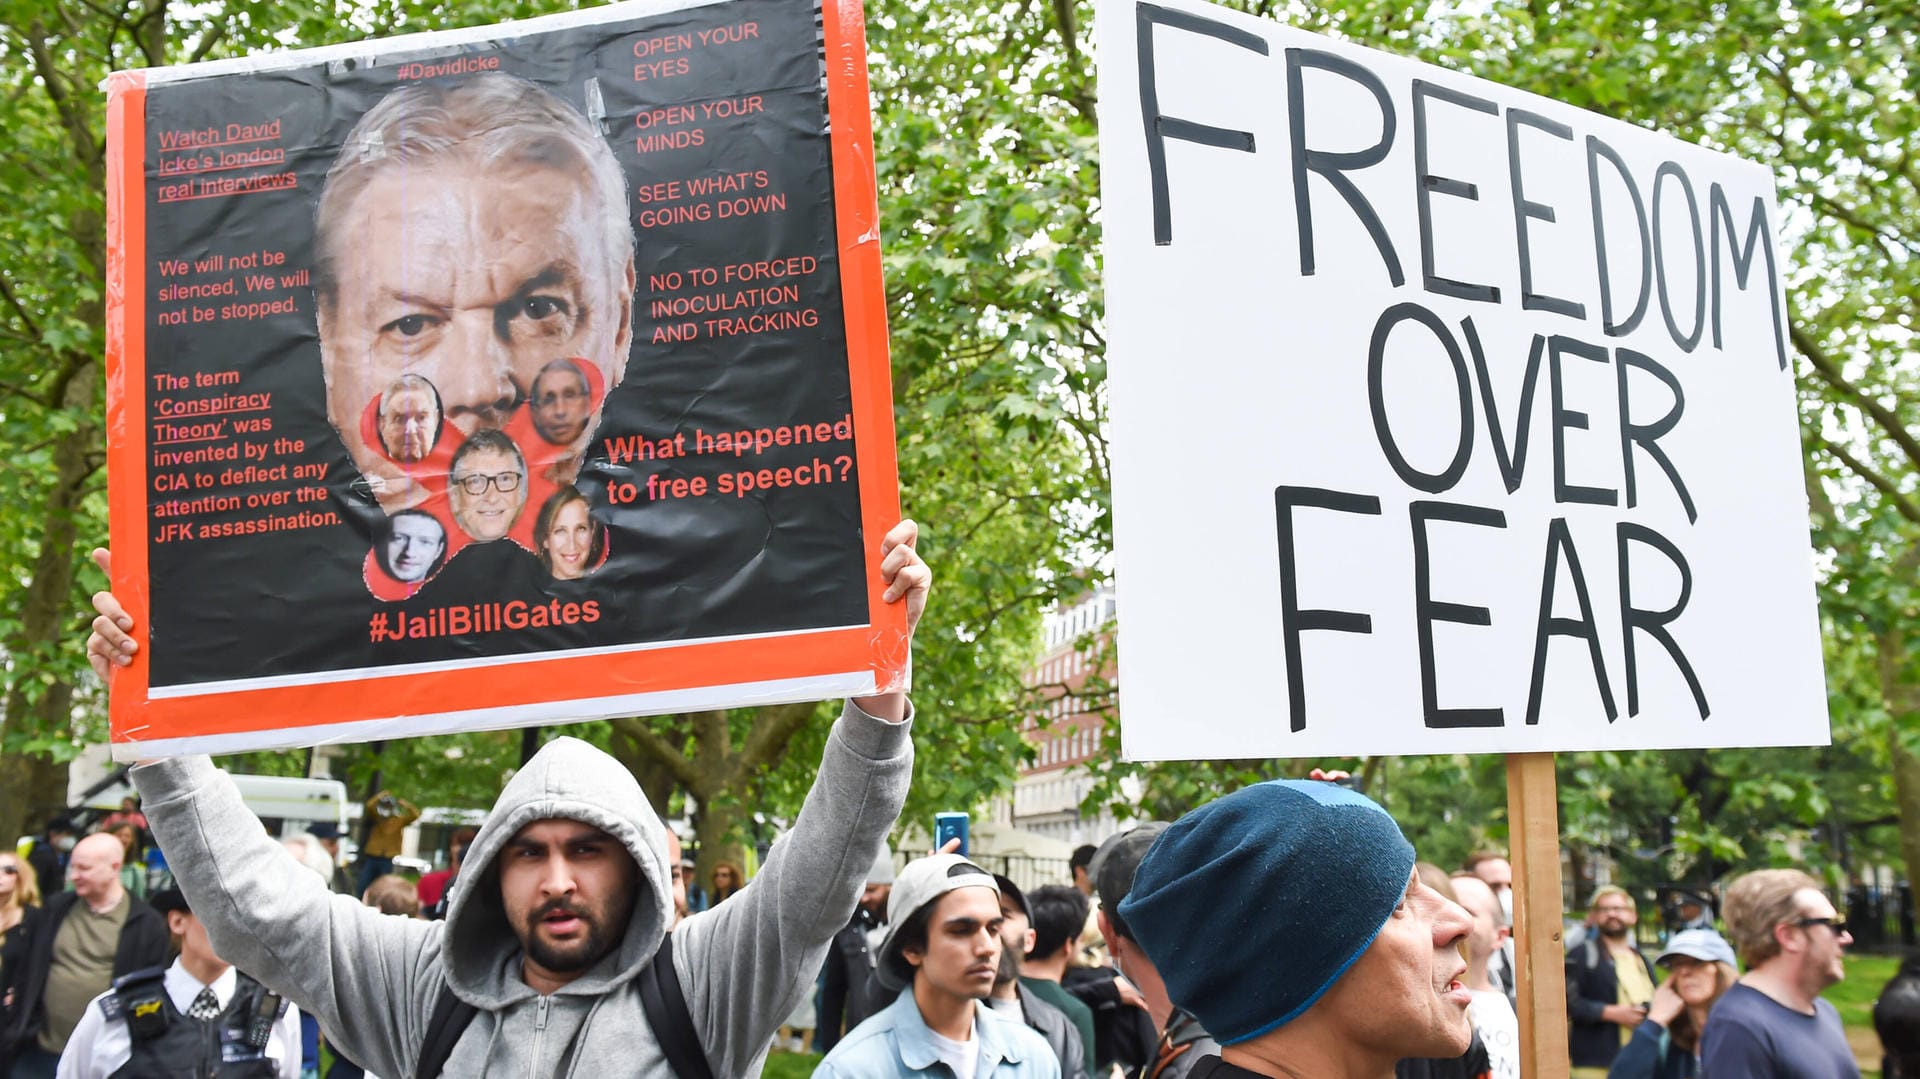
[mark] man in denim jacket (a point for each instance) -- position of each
(941, 953)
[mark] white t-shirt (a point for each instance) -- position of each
(962, 1057)
(1499, 1029)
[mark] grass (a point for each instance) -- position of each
(1866, 974)
(790, 1065)
(1854, 998)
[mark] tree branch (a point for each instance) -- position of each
(213, 37)
(1902, 505)
(658, 748)
(19, 309)
(75, 362)
(1079, 96)
(1851, 218)
(1882, 415)
(773, 727)
(78, 134)
(713, 743)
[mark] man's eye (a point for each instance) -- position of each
(407, 325)
(539, 307)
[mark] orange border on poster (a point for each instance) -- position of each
(302, 714)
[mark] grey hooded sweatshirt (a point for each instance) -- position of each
(372, 979)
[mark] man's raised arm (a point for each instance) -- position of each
(350, 966)
(745, 963)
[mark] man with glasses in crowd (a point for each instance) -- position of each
(1609, 982)
(1773, 1023)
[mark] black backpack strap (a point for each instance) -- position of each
(667, 1014)
(1206, 1066)
(450, 1018)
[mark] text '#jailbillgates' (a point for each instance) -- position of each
(490, 367)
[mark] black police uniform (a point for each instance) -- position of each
(169, 1045)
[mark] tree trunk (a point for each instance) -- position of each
(717, 833)
(656, 778)
(716, 774)
(1903, 709)
(1906, 785)
(31, 789)
(36, 783)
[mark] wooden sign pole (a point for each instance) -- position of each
(1533, 815)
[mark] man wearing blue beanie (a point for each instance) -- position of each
(1288, 919)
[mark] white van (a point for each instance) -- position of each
(286, 805)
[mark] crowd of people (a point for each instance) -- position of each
(1286, 929)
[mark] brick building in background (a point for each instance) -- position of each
(1046, 798)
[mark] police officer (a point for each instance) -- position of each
(197, 1018)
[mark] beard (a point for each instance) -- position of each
(574, 955)
(1009, 968)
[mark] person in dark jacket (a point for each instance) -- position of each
(50, 851)
(1134, 1023)
(1896, 1018)
(1609, 982)
(1700, 970)
(1011, 997)
(848, 992)
(20, 917)
(1059, 912)
(93, 934)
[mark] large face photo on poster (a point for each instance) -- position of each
(448, 353)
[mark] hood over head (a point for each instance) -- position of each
(568, 780)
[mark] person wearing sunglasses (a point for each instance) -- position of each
(20, 916)
(1773, 1023)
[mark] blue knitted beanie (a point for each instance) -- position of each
(1253, 905)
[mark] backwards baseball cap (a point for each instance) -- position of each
(1703, 944)
(923, 881)
(1114, 866)
(1255, 904)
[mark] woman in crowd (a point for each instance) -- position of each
(20, 917)
(1666, 1045)
(133, 865)
(727, 879)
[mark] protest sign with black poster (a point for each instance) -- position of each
(1478, 403)
(499, 376)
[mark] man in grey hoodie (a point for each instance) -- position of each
(566, 896)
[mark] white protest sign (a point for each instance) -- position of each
(1445, 417)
